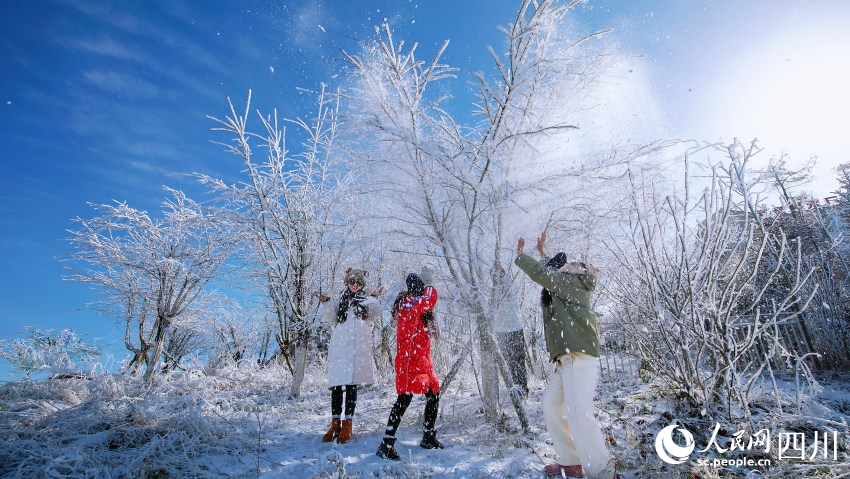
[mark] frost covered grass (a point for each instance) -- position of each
(239, 422)
(233, 422)
(635, 413)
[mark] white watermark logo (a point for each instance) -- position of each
(668, 450)
(731, 450)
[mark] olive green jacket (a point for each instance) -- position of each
(568, 323)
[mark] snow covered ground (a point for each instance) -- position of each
(238, 422)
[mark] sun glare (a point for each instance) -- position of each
(790, 90)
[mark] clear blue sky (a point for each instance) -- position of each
(103, 101)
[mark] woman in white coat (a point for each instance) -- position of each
(350, 362)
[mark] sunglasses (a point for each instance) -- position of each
(354, 282)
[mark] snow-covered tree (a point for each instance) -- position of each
(232, 335)
(288, 207)
(690, 289)
(152, 269)
(819, 232)
(456, 194)
(59, 352)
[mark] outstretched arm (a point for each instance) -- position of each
(558, 282)
(329, 307)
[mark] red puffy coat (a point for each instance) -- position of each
(414, 369)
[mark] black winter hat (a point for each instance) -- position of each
(414, 284)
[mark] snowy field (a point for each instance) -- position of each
(239, 423)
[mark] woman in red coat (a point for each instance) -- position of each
(414, 369)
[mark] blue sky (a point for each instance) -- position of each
(103, 101)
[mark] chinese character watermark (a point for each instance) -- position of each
(795, 446)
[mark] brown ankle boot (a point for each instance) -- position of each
(332, 432)
(344, 432)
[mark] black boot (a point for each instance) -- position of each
(429, 441)
(387, 450)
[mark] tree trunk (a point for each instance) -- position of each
(283, 348)
(515, 395)
(444, 385)
(489, 373)
(159, 342)
(300, 365)
(386, 352)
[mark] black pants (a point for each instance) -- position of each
(350, 401)
(512, 345)
(432, 405)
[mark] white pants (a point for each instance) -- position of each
(568, 411)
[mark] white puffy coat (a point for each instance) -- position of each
(350, 350)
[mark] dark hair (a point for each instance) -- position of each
(556, 263)
(397, 303)
(415, 286)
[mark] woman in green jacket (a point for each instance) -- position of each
(572, 340)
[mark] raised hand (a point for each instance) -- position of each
(540, 241)
(520, 245)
